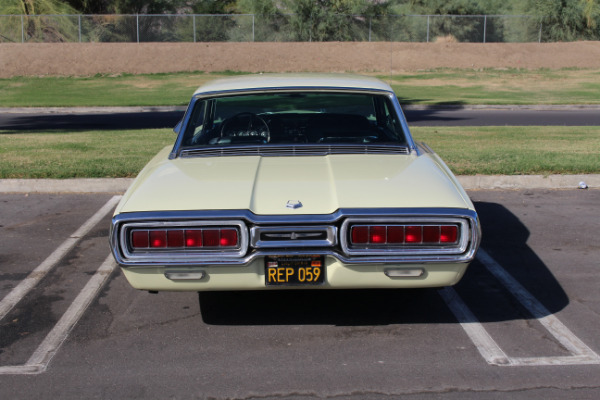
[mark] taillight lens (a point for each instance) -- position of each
(403, 234)
(212, 238)
(229, 237)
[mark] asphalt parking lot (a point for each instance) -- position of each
(523, 322)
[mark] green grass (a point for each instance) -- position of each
(76, 154)
(467, 151)
(439, 86)
(515, 150)
(101, 90)
(497, 86)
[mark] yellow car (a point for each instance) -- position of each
(291, 181)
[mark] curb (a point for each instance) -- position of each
(86, 185)
(476, 182)
(524, 182)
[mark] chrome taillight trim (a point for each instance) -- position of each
(184, 254)
(293, 236)
(245, 220)
(405, 249)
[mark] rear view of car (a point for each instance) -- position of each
(292, 181)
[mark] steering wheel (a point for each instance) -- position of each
(246, 124)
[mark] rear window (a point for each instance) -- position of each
(295, 117)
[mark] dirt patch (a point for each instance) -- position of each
(84, 59)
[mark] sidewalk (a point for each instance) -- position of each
(477, 182)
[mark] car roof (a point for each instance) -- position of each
(293, 81)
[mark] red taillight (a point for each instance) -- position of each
(175, 238)
(448, 234)
(158, 239)
(180, 238)
(139, 239)
(395, 234)
(403, 234)
(193, 238)
(378, 234)
(210, 237)
(414, 234)
(431, 234)
(229, 237)
(360, 234)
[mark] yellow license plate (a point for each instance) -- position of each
(294, 270)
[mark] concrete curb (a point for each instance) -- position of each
(87, 185)
(477, 182)
(483, 182)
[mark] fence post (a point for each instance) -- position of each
(540, 36)
(370, 18)
(428, 29)
(22, 30)
(194, 26)
(484, 27)
(253, 38)
(79, 23)
(137, 27)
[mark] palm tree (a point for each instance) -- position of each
(591, 12)
(35, 23)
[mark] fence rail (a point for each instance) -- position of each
(267, 28)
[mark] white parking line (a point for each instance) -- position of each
(39, 360)
(489, 349)
(27, 284)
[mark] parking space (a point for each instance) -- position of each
(524, 319)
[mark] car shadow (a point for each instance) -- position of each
(439, 114)
(504, 238)
(13, 123)
(20, 123)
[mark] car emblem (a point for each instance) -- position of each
(293, 204)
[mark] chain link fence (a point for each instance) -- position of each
(267, 28)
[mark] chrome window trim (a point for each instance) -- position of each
(245, 218)
(268, 150)
(178, 149)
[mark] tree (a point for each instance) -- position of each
(449, 20)
(92, 6)
(332, 20)
(591, 13)
(38, 27)
(271, 22)
(215, 27)
(566, 20)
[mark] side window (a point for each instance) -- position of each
(392, 119)
(387, 119)
(196, 124)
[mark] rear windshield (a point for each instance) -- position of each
(293, 118)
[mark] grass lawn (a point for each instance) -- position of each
(76, 154)
(510, 150)
(440, 86)
(466, 150)
(498, 87)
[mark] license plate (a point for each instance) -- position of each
(294, 270)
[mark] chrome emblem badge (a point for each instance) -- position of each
(293, 204)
